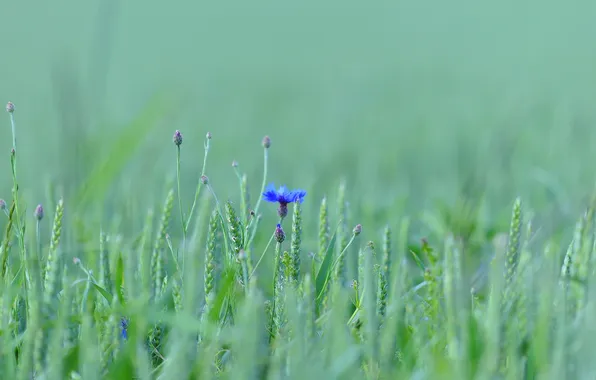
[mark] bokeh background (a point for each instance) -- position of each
(413, 103)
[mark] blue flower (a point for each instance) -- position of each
(283, 196)
(124, 328)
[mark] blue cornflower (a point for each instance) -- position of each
(283, 196)
(124, 328)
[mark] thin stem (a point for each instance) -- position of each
(245, 274)
(38, 237)
(20, 230)
(14, 132)
(171, 248)
(262, 255)
(253, 233)
(180, 202)
(238, 174)
(199, 185)
(260, 198)
(339, 257)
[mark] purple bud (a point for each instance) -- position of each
(234, 164)
(209, 136)
(280, 236)
(2, 204)
(266, 142)
(204, 180)
(177, 138)
(357, 230)
(76, 260)
(38, 212)
(9, 107)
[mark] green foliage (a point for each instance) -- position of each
(193, 306)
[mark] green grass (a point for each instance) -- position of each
(205, 289)
(459, 135)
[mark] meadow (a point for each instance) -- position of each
(397, 190)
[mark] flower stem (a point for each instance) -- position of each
(180, 202)
(20, 230)
(339, 257)
(38, 237)
(199, 185)
(262, 255)
(265, 166)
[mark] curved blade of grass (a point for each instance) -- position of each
(122, 150)
(326, 264)
(103, 292)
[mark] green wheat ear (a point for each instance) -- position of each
(384, 275)
(513, 246)
(104, 261)
(342, 234)
(144, 270)
(157, 269)
(323, 230)
(296, 242)
(56, 234)
(212, 262)
(235, 235)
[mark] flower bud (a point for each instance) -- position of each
(177, 138)
(266, 142)
(280, 235)
(38, 212)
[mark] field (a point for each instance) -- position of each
(438, 221)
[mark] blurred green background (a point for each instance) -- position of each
(411, 102)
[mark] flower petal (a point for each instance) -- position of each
(270, 194)
(298, 195)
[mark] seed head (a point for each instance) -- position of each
(234, 164)
(9, 107)
(177, 138)
(266, 142)
(357, 230)
(204, 180)
(280, 235)
(2, 204)
(209, 136)
(38, 212)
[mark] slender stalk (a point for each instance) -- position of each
(38, 239)
(180, 197)
(265, 165)
(336, 261)
(200, 184)
(262, 255)
(260, 197)
(20, 230)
